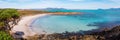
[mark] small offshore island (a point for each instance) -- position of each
(15, 25)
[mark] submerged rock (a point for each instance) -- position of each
(18, 35)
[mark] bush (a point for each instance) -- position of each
(6, 14)
(1, 25)
(5, 17)
(5, 36)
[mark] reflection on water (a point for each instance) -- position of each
(86, 21)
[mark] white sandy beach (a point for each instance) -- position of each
(24, 25)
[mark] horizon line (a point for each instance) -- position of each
(62, 8)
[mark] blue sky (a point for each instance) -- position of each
(69, 4)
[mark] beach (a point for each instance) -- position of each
(24, 25)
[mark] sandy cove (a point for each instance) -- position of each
(24, 25)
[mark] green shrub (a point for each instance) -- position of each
(6, 14)
(1, 25)
(5, 36)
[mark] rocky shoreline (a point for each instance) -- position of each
(106, 34)
(112, 34)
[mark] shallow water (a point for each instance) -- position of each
(88, 20)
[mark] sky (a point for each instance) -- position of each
(68, 4)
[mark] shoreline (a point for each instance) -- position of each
(24, 25)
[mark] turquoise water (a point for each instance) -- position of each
(87, 20)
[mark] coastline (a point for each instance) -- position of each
(24, 25)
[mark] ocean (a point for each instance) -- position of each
(85, 21)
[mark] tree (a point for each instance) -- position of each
(7, 15)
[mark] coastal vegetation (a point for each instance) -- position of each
(6, 16)
(34, 12)
(31, 12)
(5, 36)
(10, 17)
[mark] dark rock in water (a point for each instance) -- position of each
(18, 35)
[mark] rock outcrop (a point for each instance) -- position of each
(112, 34)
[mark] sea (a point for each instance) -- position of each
(85, 21)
